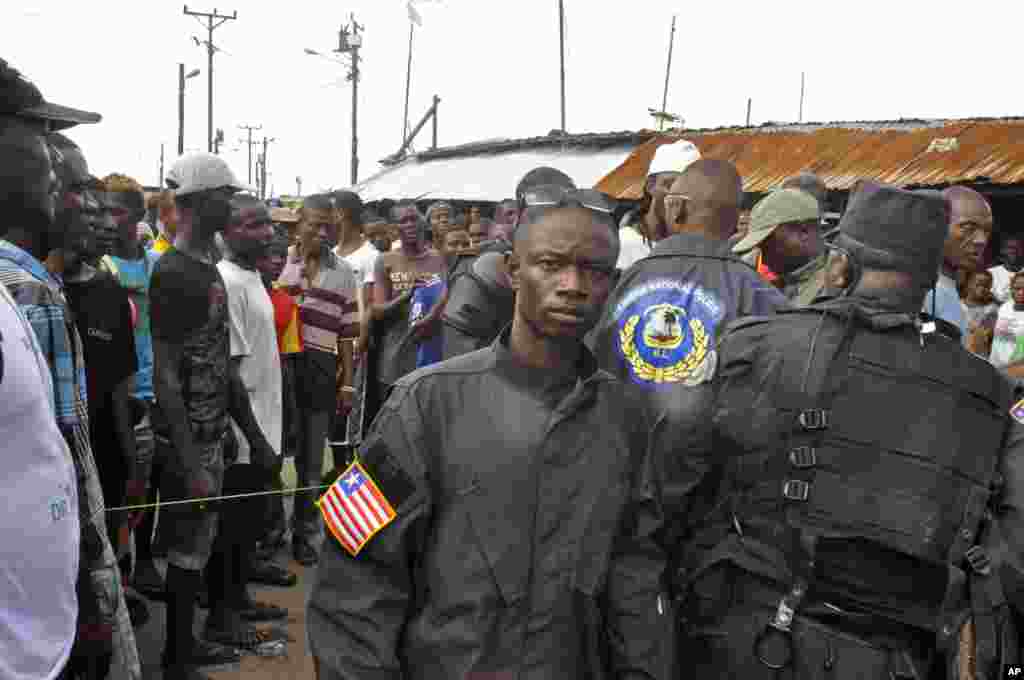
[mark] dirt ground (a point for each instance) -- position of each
(297, 664)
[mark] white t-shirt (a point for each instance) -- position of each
(361, 261)
(39, 529)
(1001, 283)
(1008, 339)
(631, 248)
(254, 337)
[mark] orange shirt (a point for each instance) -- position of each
(766, 273)
(286, 319)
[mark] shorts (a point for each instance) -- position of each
(188, 528)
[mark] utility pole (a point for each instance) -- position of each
(353, 46)
(408, 83)
(561, 53)
(801, 119)
(249, 143)
(210, 49)
(668, 68)
(263, 167)
(749, 102)
(161, 184)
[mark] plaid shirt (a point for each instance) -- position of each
(101, 598)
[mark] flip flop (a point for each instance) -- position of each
(262, 612)
(241, 636)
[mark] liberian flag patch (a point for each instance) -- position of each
(1018, 411)
(355, 509)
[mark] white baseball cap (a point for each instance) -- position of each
(202, 172)
(674, 157)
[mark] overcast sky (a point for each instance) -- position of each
(494, 63)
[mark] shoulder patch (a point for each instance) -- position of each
(355, 508)
(666, 333)
(1017, 411)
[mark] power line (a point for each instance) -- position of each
(249, 143)
(210, 26)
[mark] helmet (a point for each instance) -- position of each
(202, 172)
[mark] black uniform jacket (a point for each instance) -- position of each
(524, 543)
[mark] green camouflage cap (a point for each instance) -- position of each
(778, 207)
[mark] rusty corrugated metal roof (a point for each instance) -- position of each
(904, 153)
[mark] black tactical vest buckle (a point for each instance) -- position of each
(979, 560)
(803, 456)
(796, 490)
(813, 419)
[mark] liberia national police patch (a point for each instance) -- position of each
(666, 333)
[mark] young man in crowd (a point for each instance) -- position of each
(395, 275)
(457, 241)
(131, 265)
(497, 551)
(328, 297)
(505, 215)
(289, 346)
(103, 316)
(378, 233)
(360, 255)
(197, 389)
(1012, 261)
(255, 359)
(166, 223)
(45, 520)
(480, 232)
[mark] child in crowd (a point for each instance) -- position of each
(980, 312)
(1008, 341)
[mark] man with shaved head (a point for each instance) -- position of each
(970, 229)
(659, 329)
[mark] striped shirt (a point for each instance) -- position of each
(327, 307)
(40, 298)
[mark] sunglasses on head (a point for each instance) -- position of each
(556, 196)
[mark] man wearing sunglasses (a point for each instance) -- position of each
(516, 528)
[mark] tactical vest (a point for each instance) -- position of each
(477, 303)
(899, 447)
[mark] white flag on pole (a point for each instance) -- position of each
(414, 16)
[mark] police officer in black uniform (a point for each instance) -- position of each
(855, 453)
(507, 521)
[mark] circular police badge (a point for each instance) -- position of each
(667, 333)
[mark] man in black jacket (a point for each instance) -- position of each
(500, 519)
(855, 452)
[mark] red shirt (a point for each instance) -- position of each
(286, 320)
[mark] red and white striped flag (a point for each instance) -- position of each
(355, 509)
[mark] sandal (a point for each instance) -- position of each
(262, 612)
(270, 574)
(240, 635)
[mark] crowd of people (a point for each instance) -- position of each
(571, 437)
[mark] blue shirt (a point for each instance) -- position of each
(134, 276)
(430, 350)
(947, 303)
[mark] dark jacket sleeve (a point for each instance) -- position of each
(641, 628)
(1005, 540)
(359, 605)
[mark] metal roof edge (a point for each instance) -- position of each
(635, 137)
